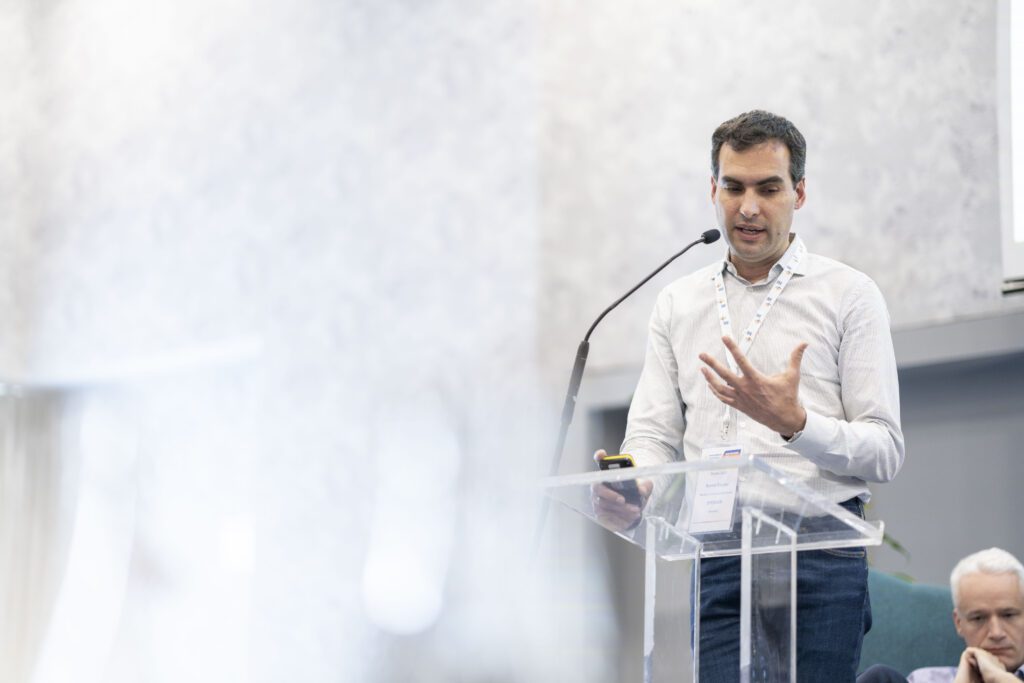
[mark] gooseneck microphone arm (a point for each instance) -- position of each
(706, 238)
(569, 408)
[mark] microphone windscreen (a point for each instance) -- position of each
(711, 236)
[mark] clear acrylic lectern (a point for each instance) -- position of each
(727, 507)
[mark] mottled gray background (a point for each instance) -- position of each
(896, 100)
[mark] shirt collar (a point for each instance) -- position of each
(799, 269)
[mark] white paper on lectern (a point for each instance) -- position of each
(714, 497)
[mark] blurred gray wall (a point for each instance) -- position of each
(347, 192)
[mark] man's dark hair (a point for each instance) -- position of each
(755, 127)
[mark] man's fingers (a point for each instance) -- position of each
(618, 522)
(605, 493)
(797, 356)
(613, 511)
(971, 655)
(741, 360)
(722, 392)
(986, 661)
(719, 369)
(623, 510)
(598, 454)
(723, 398)
(616, 508)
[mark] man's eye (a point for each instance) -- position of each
(733, 188)
(769, 190)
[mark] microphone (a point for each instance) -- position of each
(569, 408)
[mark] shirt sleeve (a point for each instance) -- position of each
(654, 430)
(868, 444)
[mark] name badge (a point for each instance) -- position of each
(714, 496)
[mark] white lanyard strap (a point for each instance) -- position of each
(725, 320)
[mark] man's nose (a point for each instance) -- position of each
(995, 629)
(749, 207)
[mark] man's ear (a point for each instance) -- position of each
(956, 623)
(801, 190)
(714, 189)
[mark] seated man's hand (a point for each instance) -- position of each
(980, 666)
(967, 671)
(612, 508)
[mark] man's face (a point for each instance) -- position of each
(754, 199)
(991, 616)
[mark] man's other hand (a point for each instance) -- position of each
(610, 506)
(772, 400)
(980, 666)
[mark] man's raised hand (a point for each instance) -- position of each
(772, 400)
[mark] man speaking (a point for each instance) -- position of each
(787, 355)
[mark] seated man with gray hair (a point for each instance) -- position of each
(988, 611)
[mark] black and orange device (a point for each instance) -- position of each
(628, 488)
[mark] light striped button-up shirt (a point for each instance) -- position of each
(944, 674)
(848, 383)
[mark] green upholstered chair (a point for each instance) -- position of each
(912, 625)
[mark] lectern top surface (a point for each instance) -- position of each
(695, 508)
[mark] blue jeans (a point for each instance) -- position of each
(833, 614)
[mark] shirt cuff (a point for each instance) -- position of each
(814, 438)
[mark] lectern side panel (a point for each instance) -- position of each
(670, 658)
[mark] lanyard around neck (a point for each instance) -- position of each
(789, 265)
(774, 292)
